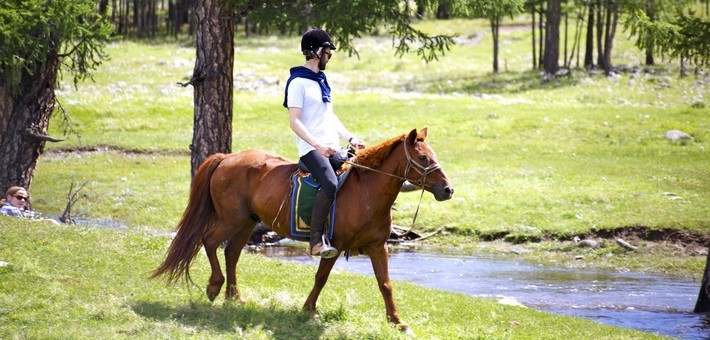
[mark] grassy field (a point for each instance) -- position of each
(68, 282)
(531, 159)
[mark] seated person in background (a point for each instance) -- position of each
(15, 202)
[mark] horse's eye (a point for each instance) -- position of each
(422, 158)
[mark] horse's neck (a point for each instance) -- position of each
(383, 185)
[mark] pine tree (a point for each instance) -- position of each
(39, 38)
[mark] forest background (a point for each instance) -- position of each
(537, 158)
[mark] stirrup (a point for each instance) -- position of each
(327, 251)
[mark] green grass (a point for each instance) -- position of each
(84, 282)
(527, 156)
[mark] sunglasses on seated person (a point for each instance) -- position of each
(21, 198)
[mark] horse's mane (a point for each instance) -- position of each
(372, 157)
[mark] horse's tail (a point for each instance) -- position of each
(198, 217)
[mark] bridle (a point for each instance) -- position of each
(422, 170)
(411, 164)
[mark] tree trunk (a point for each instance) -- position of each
(442, 11)
(576, 41)
(703, 303)
(28, 115)
(420, 12)
(600, 30)
(213, 80)
(103, 7)
(552, 37)
(651, 13)
(5, 112)
(534, 53)
(541, 38)
(612, 16)
(589, 48)
(495, 24)
(565, 44)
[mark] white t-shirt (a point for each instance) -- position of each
(316, 116)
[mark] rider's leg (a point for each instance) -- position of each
(319, 217)
(322, 171)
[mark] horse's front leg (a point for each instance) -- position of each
(231, 256)
(380, 264)
(324, 268)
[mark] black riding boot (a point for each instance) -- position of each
(319, 216)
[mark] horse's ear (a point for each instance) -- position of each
(422, 133)
(412, 138)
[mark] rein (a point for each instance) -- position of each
(422, 170)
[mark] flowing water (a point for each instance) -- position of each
(650, 303)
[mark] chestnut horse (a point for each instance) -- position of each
(230, 194)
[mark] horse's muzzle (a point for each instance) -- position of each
(442, 192)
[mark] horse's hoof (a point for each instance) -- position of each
(211, 295)
(311, 313)
(314, 317)
(404, 328)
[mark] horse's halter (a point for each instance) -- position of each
(422, 170)
(411, 164)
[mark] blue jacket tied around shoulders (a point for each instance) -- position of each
(304, 72)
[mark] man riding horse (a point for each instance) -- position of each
(318, 130)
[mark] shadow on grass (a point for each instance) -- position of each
(234, 318)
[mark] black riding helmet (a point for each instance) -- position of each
(314, 39)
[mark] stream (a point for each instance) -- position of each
(650, 303)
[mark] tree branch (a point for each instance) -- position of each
(43, 137)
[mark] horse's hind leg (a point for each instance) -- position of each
(212, 239)
(231, 256)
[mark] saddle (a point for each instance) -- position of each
(304, 190)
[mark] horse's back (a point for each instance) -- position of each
(250, 180)
(255, 158)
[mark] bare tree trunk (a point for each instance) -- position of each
(612, 16)
(566, 33)
(649, 49)
(495, 25)
(139, 17)
(576, 41)
(703, 303)
(600, 31)
(442, 11)
(5, 111)
(213, 80)
(541, 39)
(178, 14)
(552, 37)
(103, 7)
(126, 13)
(683, 69)
(589, 48)
(532, 26)
(24, 133)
